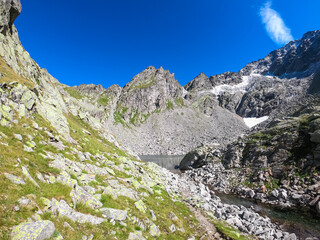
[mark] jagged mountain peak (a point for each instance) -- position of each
(258, 88)
(200, 81)
(149, 77)
(150, 91)
(311, 34)
(90, 89)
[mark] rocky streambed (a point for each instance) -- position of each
(299, 221)
(246, 216)
(284, 212)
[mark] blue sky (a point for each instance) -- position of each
(109, 42)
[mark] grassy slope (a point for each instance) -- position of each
(36, 162)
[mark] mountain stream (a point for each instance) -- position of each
(302, 223)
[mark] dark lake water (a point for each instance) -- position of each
(302, 223)
(166, 161)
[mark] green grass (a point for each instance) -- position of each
(8, 75)
(260, 136)
(73, 93)
(145, 84)
(272, 183)
(179, 102)
(104, 100)
(118, 116)
(186, 218)
(169, 105)
(228, 231)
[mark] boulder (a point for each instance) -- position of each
(191, 159)
(115, 214)
(154, 231)
(39, 230)
(79, 195)
(315, 137)
(141, 206)
(15, 179)
(64, 210)
(136, 236)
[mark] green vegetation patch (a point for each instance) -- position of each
(169, 105)
(146, 84)
(179, 102)
(73, 93)
(229, 231)
(260, 136)
(8, 75)
(104, 100)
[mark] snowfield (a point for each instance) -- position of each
(251, 122)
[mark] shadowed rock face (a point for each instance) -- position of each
(9, 11)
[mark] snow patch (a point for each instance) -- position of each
(251, 122)
(240, 87)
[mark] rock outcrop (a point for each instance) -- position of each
(9, 11)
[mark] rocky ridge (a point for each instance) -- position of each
(154, 96)
(262, 86)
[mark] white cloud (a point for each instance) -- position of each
(274, 24)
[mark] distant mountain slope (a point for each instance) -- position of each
(261, 86)
(151, 115)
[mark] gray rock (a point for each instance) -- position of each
(39, 230)
(154, 230)
(251, 193)
(136, 236)
(315, 137)
(27, 174)
(296, 196)
(78, 194)
(153, 216)
(18, 136)
(275, 193)
(24, 201)
(15, 179)
(115, 214)
(172, 228)
(63, 209)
